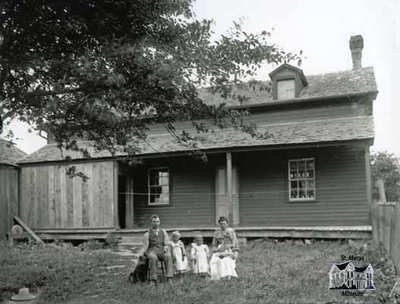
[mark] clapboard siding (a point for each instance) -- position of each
(51, 199)
(8, 198)
(341, 197)
(191, 193)
(308, 112)
(284, 115)
(263, 190)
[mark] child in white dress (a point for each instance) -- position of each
(199, 254)
(224, 251)
(178, 253)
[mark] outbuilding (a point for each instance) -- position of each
(9, 193)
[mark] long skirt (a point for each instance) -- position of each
(222, 267)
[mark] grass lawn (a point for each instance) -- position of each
(270, 272)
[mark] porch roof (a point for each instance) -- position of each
(301, 132)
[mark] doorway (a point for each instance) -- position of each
(225, 206)
(125, 201)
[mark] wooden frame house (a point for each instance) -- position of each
(310, 178)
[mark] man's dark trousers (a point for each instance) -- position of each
(155, 253)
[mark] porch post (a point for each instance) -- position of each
(229, 185)
(129, 201)
(115, 203)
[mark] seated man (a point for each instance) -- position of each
(155, 247)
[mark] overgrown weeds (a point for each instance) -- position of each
(269, 272)
(58, 270)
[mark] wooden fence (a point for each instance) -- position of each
(386, 229)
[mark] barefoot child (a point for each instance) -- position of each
(178, 253)
(199, 255)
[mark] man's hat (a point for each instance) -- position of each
(23, 295)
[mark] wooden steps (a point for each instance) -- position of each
(130, 244)
(129, 247)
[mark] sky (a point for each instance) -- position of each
(321, 29)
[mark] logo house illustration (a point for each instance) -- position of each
(346, 276)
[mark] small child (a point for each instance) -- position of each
(178, 253)
(224, 250)
(199, 255)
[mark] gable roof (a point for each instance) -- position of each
(321, 86)
(290, 67)
(9, 154)
(289, 133)
(343, 266)
(333, 269)
(361, 268)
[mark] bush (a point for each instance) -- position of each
(386, 166)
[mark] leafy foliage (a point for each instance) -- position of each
(92, 69)
(386, 166)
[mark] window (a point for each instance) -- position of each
(302, 179)
(158, 184)
(286, 89)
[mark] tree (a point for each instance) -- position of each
(386, 166)
(104, 69)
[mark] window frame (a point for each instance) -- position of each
(304, 179)
(149, 186)
(293, 80)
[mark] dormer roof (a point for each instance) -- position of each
(284, 68)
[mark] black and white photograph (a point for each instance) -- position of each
(199, 151)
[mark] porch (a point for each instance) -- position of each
(328, 197)
(328, 192)
(318, 232)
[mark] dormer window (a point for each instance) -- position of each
(286, 89)
(287, 82)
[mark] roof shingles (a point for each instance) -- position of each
(353, 82)
(10, 155)
(328, 130)
(336, 84)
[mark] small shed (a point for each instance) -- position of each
(9, 172)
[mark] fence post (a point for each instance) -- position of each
(381, 229)
(388, 219)
(392, 230)
(396, 243)
(375, 223)
(386, 230)
(381, 187)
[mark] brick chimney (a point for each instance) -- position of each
(51, 139)
(356, 45)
